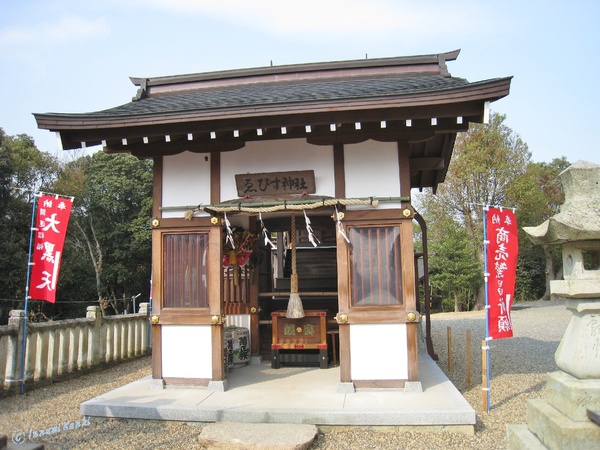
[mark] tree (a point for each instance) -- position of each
(24, 170)
(453, 270)
(110, 218)
(486, 160)
(538, 194)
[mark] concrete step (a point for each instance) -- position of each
(257, 436)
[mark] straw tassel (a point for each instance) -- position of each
(295, 309)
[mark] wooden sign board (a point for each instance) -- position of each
(275, 183)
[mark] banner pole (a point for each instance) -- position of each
(486, 275)
(29, 264)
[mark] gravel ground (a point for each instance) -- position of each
(518, 369)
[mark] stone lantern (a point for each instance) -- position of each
(563, 420)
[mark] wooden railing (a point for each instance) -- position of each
(55, 349)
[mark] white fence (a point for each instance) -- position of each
(57, 348)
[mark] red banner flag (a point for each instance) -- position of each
(52, 219)
(502, 253)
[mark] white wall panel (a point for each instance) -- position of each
(372, 170)
(186, 351)
(186, 181)
(378, 351)
(278, 156)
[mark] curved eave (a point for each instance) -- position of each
(481, 91)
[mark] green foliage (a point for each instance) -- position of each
(538, 194)
(23, 170)
(109, 225)
(491, 166)
(453, 270)
(111, 219)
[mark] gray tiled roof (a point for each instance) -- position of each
(301, 91)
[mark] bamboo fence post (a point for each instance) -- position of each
(468, 359)
(450, 365)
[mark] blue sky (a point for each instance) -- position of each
(77, 56)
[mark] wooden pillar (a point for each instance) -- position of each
(339, 173)
(215, 177)
(215, 299)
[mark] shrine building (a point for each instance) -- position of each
(282, 206)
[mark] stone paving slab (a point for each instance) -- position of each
(257, 436)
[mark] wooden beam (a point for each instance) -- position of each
(150, 150)
(426, 163)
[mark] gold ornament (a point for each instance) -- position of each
(214, 220)
(214, 320)
(155, 320)
(155, 223)
(411, 316)
(342, 318)
(406, 212)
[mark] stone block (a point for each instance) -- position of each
(156, 383)
(257, 436)
(519, 437)
(346, 388)
(556, 431)
(572, 396)
(413, 386)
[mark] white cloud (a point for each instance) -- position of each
(67, 29)
(329, 16)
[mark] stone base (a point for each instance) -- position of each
(519, 437)
(573, 397)
(556, 431)
(346, 388)
(218, 386)
(413, 386)
(156, 383)
(561, 421)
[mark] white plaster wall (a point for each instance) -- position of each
(378, 351)
(372, 170)
(278, 156)
(186, 181)
(186, 351)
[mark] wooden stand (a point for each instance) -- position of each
(291, 337)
